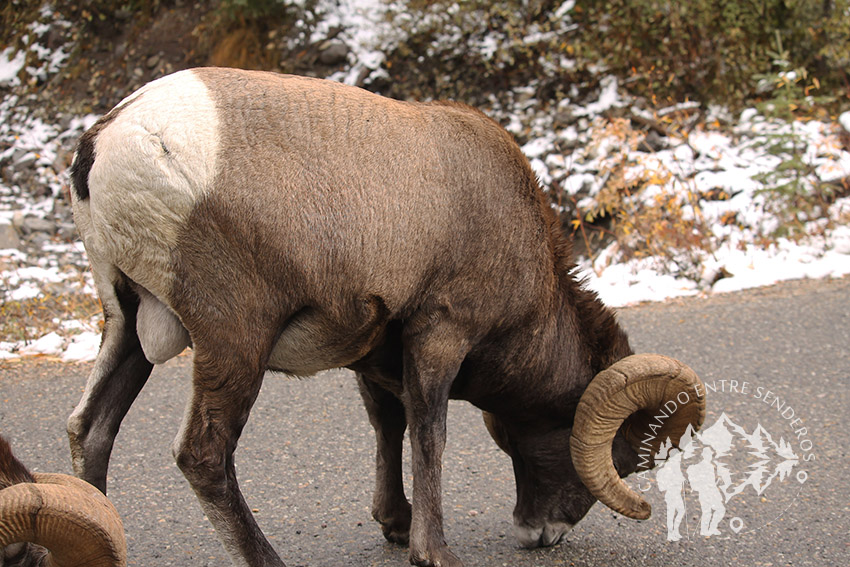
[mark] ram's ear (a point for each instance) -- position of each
(626, 460)
(497, 431)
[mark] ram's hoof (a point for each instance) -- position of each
(394, 534)
(441, 557)
(395, 525)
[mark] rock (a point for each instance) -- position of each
(32, 225)
(564, 116)
(65, 121)
(653, 142)
(61, 209)
(67, 231)
(8, 237)
(23, 159)
(333, 52)
(152, 61)
(18, 221)
(64, 157)
(38, 239)
(364, 74)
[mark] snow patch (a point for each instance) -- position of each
(82, 347)
(11, 63)
(50, 343)
(844, 120)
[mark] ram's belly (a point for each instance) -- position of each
(316, 339)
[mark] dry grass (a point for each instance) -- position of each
(28, 319)
(639, 212)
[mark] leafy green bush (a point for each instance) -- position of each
(793, 192)
(262, 15)
(631, 211)
(14, 17)
(713, 51)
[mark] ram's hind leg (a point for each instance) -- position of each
(390, 507)
(228, 372)
(120, 371)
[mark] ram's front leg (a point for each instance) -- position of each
(432, 359)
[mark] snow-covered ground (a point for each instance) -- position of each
(705, 161)
(733, 160)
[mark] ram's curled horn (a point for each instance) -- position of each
(635, 390)
(69, 517)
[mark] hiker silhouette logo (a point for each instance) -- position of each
(732, 477)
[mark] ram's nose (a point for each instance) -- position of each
(543, 536)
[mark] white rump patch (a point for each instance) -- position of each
(153, 162)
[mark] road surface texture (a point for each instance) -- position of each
(305, 459)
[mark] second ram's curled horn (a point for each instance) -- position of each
(72, 520)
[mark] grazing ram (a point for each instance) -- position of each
(295, 224)
(55, 520)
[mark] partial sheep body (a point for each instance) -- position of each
(55, 520)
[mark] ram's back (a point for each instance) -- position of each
(258, 181)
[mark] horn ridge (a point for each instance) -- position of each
(631, 389)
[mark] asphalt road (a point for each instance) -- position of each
(305, 459)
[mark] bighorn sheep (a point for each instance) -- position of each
(295, 224)
(70, 523)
